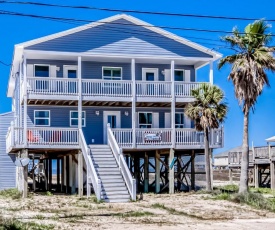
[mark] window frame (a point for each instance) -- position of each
(35, 118)
(179, 124)
(69, 67)
(41, 65)
(183, 70)
(145, 124)
(111, 77)
(83, 117)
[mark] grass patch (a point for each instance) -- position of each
(262, 191)
(11, 193)
(230, 188)
(133, 214)
(12, 224)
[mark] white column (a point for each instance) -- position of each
(211, 77)
(133, 72)
(173, 103)
(25, 101)
(79, 93)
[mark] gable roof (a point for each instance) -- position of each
(131, 19)
(174, 52)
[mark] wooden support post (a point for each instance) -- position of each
(33, 176)
(62, 174)
(58, 174)
(171, 172)
(146, 172)
(72, 175)
(68, 190)
(45, 163)
(272, 175)
(193, 170)
(80, 173)
(136, 170)
(24, 175)
(50, 173)
(230, 176)
(166, 170)
(157, 173)
(256, 175)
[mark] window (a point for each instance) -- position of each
(179, 120)
(145, 120)
(42, 117)
(179, 75)
(41, 71)
(74, 118)
(112, 73)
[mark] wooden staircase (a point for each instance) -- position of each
(113, 185)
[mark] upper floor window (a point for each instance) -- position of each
(179, 120)
(41, 70)
(42, 117)
(112, 73)
(74, 118)
(179, 75)
(145, 120)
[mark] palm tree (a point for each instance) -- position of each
(208, 111)
(249, 63)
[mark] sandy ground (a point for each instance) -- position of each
(159, 212)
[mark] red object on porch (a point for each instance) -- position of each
(31, 137)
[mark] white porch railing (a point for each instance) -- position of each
(153, 89)
(184, 89)
(106, 88)
(186, 137)
(91, 172)
(130, 181)
(52, 86)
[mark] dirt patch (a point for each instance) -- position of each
(182, 210)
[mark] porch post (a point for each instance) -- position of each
(79, 93)
(171, 172)
(173, 104)
(80, 173)
(133, 72)
(157, 173)
(25, 101)
(211, 77)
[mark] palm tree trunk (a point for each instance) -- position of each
(245, 156)
(207, 161)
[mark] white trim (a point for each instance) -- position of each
(144, 124)
(111, 67)
(41, 65)
(150, 70)
(105, 121)
(49, 118)
(68, 67)
(83, 117)
(130, 19)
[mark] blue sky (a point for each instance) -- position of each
(19, 29)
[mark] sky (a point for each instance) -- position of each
(15, 30)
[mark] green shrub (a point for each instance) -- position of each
(11, 193)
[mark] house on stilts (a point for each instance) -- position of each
(104, 103)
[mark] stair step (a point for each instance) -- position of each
(100, 166)
(110, 173)
(101, 150)
(108, 180)
(103, 160)
(102, 156)
(113, 177)
(112, 189)
(113, 184)
(127, 196)
(116, 200)
(122, 192)
(99, 146)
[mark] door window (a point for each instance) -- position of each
(145, 120)
(41, 71)
(111, 119)
(179, 120)
(179, 75)
(72, 73)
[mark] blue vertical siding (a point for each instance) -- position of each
(119, 37)
(7, 167)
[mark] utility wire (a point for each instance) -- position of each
(133, 11)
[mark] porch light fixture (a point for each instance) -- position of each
(97, 113)
(126, 113)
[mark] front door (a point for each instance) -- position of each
(70, 72)
(112, 118)
(149, 75)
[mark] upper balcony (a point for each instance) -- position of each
(39, 88)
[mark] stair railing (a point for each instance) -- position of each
(91, 172)
(130, 181)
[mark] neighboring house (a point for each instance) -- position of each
(121, 71)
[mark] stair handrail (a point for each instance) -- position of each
(91, 172)
(117, 151)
